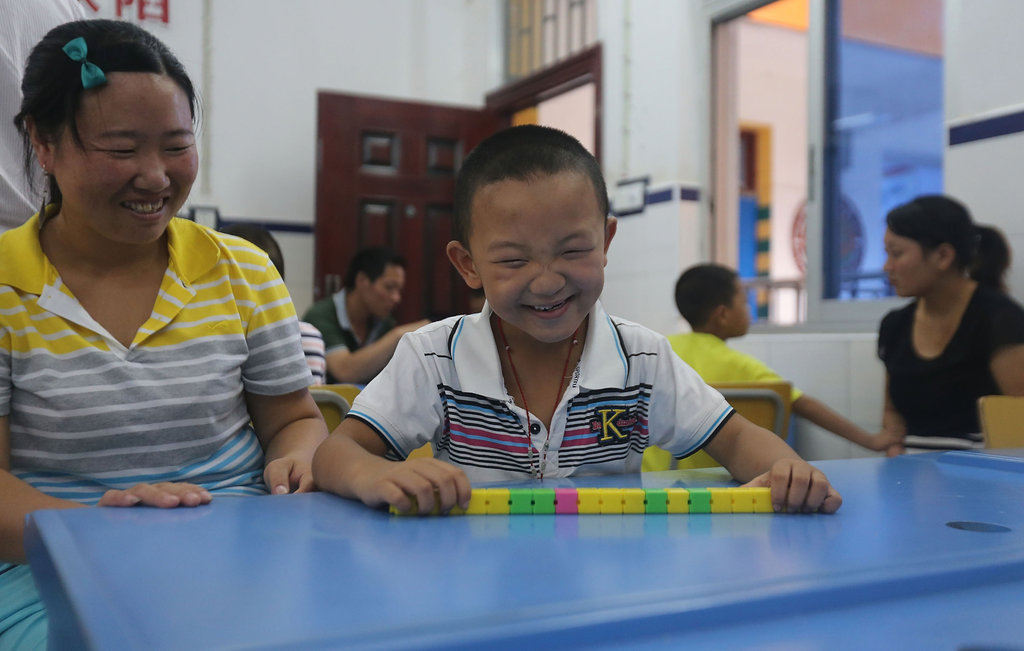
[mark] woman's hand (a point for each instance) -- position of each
(164, 495)
(288, 475)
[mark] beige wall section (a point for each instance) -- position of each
(772, 91)
(573, 112)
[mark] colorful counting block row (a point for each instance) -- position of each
(535, 501)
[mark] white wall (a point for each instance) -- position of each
(840, 369)
(653, 95)
(983, 79)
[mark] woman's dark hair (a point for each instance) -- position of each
(993, 258)
(52, 86)
(932, 220)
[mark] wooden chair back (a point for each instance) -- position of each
(333, 415)
(767, 404)
(1002, 421)
(332, 403)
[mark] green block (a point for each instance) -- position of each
(700, 500)
(520, 500)
(543, 500)
(657, 501)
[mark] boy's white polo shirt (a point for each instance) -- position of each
(444, 386)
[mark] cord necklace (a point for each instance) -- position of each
(538, 474)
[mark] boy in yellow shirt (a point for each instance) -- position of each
(711, 298)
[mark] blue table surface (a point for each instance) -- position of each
(926, 552)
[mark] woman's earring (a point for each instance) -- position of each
(46, 193)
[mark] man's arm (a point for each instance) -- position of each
(363, 364)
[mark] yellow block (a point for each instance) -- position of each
(589, 500)
(496, 500)
(611, 500)
(721, 500)
(634, 500)
(677, 500)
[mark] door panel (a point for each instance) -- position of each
(386, 175)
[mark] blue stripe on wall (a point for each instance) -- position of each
(280, 227)
(660, 196)
(689, 194)
(685, 194)
(1001, 125)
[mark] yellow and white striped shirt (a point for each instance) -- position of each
(88, 414)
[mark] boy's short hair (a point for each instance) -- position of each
(371, 261)
(522, 153)
(702, 288)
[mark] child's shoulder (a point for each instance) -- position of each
(442, 334)
(630, 333)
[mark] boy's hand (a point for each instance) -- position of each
(885, 440)
(429, 481)
(798, 487)
(287, 475)
(166, 495)
(895, 450)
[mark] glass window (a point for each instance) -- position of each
(543, 32)
(883, 132)
(848, 95)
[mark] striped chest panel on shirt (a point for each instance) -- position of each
(600, 426)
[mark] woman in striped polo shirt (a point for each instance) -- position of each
(144, 359)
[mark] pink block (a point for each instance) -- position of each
(566, 500)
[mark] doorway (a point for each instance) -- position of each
(386, 173)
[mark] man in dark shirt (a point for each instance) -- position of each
(359, 333)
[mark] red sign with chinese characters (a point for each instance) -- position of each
(141, 9)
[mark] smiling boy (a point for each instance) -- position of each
(542, 382)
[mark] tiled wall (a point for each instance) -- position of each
(840, 369)
(646, 256)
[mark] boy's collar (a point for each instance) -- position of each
(475, 354)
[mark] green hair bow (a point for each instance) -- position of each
(92, 76)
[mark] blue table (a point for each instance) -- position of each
(926, 552)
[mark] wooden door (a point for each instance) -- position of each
(386, 176)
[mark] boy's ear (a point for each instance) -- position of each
(462, 260)
(718, 316)
(611, 225)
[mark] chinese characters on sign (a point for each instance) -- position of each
(140, 9)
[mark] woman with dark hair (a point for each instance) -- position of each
(956, 341)
(144, 359)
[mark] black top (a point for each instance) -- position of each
(938, 397)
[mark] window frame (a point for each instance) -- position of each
(823, 315)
